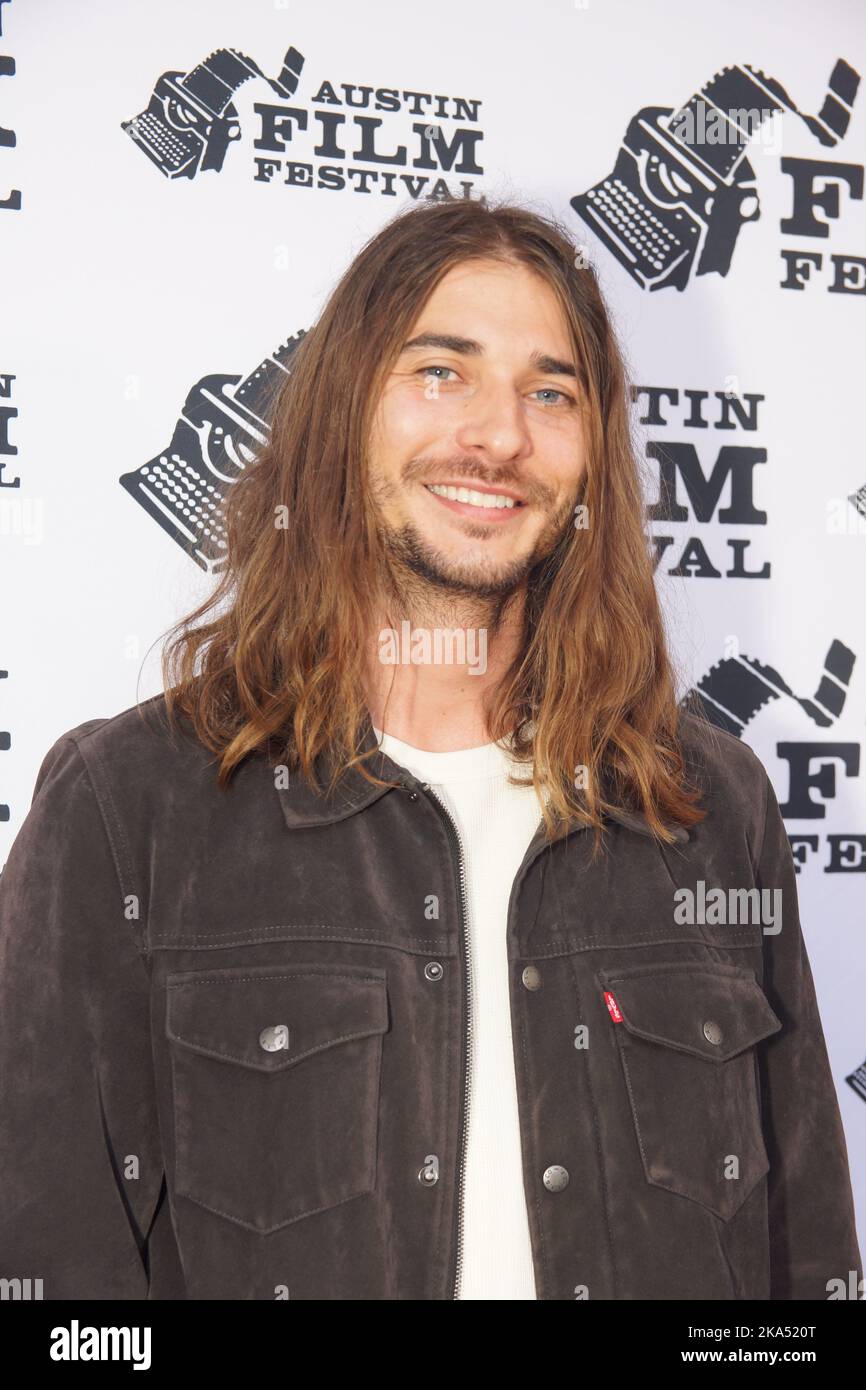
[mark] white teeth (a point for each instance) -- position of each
(465, 494)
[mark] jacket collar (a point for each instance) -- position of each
(302, 808)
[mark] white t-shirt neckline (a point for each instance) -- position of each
(455, 765)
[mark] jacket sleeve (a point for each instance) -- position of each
(79, 1151)
(813, 1240)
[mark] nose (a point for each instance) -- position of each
(492, 419)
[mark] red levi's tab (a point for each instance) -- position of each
(612, 1007)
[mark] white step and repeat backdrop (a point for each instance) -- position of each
(180, 185)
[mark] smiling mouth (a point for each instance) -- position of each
(494, 505)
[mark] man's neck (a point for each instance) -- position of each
(428, 674)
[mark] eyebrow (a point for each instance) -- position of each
(551, 366)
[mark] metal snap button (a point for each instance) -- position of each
(531, 977)
(555, 1178)
(712, 1032)
(429, 1174)
(275, 1038)
(433, 970)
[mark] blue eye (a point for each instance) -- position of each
(551, 391)
(428, 371)
(564, 398)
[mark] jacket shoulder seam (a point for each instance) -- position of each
(100, 724)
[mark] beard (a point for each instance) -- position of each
(431, 586)
(473, 576)
(472, 586)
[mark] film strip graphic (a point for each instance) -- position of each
(736, 688)
(191, 120)
(677, 199)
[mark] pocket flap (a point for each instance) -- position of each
(270, 1018)
(711, 1012)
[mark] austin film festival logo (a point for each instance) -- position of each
(689, 496)
(734, 691)
(682, 186)
(191, 120)
(737, 688)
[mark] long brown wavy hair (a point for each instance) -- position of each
(282, 658)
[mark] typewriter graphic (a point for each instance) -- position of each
(191, 120)
(676, 198)
(223, 423)
(735, 689)
(858, 500)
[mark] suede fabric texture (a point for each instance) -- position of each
(226, 1071)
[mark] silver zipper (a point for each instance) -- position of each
(457, 844)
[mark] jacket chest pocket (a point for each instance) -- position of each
(686, 1037)
(276, 1077)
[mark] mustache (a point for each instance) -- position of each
(424, 470)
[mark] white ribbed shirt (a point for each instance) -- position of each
(495, 822)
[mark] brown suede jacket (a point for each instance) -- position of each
(233, 1041)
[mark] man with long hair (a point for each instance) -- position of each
(370, 945)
